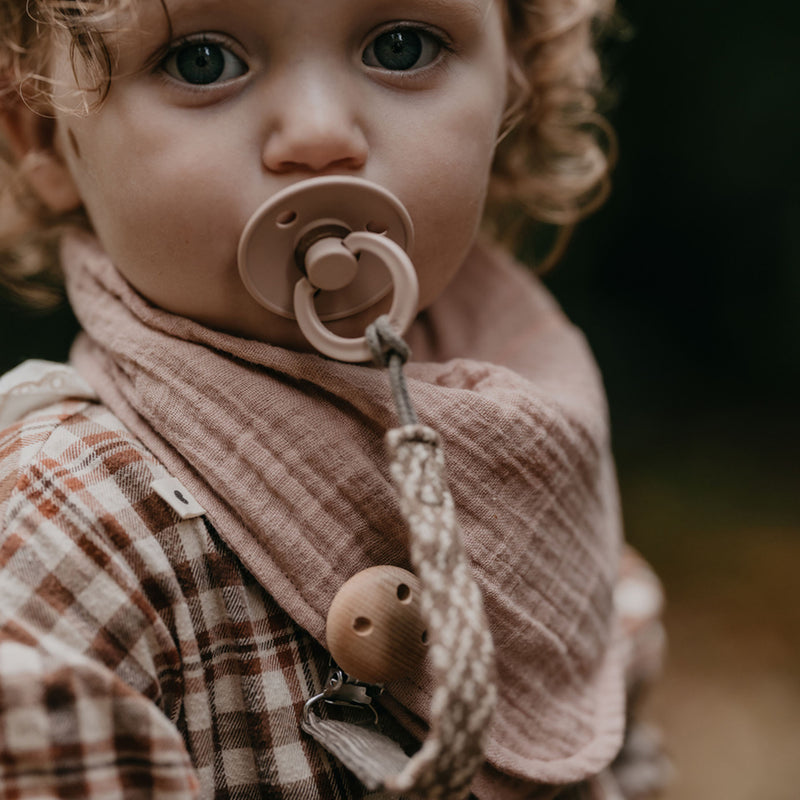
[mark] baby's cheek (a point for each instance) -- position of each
(446, 224)
(439, 257)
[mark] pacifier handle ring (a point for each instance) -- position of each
(401, 314)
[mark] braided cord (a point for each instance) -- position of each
(461, 649)
(390, 350)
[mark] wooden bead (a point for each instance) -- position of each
(375, 632)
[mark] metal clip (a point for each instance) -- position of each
(342, 690)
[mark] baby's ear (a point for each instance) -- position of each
(31, 138)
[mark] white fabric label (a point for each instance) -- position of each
(175, 494)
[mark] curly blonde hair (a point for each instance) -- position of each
(552, 163)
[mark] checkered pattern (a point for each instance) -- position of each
(137, 657)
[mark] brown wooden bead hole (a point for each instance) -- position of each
(425, 638)
(362, 626)
(404, 593)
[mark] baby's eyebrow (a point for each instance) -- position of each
(471, 6)
(468, 10)
(177, 6)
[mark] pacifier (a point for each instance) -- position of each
(325, 249)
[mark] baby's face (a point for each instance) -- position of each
(241, 98)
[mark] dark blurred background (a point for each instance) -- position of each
(687, 284)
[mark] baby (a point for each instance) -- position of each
(180, 504)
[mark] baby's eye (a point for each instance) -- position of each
(201, 63)
(402, 49)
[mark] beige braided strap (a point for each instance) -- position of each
(461, 649)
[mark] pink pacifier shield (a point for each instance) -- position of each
(268, 261)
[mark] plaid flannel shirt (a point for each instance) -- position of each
(138, 658)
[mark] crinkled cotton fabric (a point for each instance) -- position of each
(285, 451)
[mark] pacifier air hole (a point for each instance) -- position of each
(286, 219)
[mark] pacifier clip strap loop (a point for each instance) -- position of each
(461, 649)
(390, 350)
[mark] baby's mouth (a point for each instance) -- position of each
(326, 249)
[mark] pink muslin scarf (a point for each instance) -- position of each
(285, 451)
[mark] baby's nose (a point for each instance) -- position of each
(316, 128)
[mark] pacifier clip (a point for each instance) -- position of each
(452, 621)
(320, 250)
